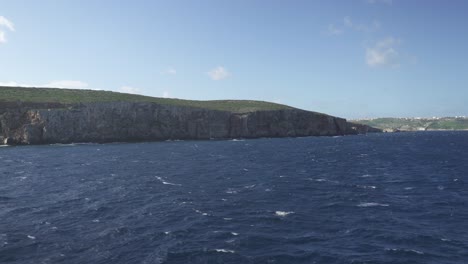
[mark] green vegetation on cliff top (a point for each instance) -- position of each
(73, 96)
(417, 124)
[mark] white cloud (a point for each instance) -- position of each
(374, 26)
(332, 30)
(165, 94)
(169, 71)
(2, 37)
(388, 2)
(70, 84)
(129, 89)
(67, 84)
(218, 73)
(14, 84)
(383, 53)
(5, 23)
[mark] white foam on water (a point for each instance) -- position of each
(95, 221)
(445, 239)
(167, 232)
(167, 183)
(366, 186)
(235, 139)
(249, 186)
(227, 219)
(366, 176)
(234, 233)
(371, 204)
(405, 250)
(283, 213)
(225, 250)
(200, 212)
(31, 237)
(231, 191)
(246, 169)
(409, 188)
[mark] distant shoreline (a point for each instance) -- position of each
(389, 124)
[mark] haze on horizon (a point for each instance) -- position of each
(354, 59)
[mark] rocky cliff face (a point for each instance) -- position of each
(127, 121)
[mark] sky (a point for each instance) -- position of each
(349, 58)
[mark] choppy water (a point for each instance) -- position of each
(383, 198)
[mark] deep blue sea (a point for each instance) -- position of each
(380, 198)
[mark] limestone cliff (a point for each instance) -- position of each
(27, 123)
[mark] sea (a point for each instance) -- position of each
(377, 198)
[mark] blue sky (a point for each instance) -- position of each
(353, 58)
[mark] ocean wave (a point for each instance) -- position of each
(366, 186)
(222, 250)
(200, 212)
(372, 204)
(283, 213)
(167, 183)
(405, 250)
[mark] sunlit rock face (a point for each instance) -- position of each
(128, 121)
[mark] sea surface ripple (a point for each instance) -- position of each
(381, 198)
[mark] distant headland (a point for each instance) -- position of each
(52, 115)
(391, 124)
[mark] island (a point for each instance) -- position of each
(52, 115)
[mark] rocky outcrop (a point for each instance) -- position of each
(127, 121)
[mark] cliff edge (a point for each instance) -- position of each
(33, 122)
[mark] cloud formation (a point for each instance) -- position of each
(5, 23)
(70, 84)
(218, 73)
(384, 53)
(67, 84)
(332, 30)
(374, 26)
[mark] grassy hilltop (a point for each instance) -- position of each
(73, 96)
(417, 124)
